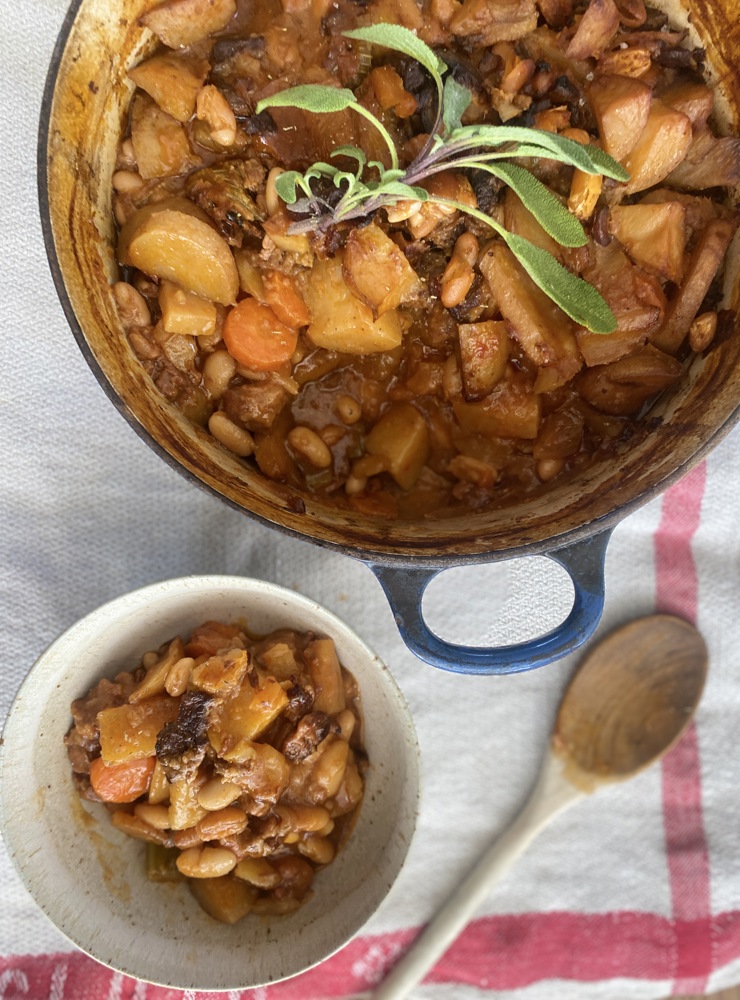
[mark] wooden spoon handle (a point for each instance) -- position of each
(552, 793)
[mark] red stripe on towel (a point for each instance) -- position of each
(494, 953)
(677, 592)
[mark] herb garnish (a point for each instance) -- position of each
(451, 146)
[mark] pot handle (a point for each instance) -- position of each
(583, 561)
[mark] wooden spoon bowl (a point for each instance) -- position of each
(631, 698)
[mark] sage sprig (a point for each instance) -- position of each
(449, 146)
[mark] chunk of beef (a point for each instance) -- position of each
(227, 48)
(300, 700)
(261, 838)
(476, 305)
(181, 745)
(255, 405)
(170, 382)
(309, 732)
(222, 192)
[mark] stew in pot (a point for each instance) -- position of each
(421, 257)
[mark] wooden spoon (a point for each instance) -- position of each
(626, 705)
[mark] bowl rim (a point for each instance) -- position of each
(184, 588)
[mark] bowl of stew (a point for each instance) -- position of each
(210, 783)
(396, 384)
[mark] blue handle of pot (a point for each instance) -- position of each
(584, 563)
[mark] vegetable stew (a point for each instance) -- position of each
(421, 258)
(239, 762)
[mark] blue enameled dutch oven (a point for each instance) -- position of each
(84, 108)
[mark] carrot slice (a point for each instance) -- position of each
(256, 338)
(121, 782)
(283, 297)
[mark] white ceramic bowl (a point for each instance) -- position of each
(89, 879)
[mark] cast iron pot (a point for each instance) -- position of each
(84, 109)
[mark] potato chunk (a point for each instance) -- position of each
(130, 731)
(184, 810)
(512, 410)
(173, 81)
(486, 22)
(662, 145)
(185, 313)
(595, 30)
(245, 717)
(542, 329)
(653, 235)
(703, 265)
(484, 351)
(176, 245)
(340, 321)
(226, 898)
(401, 437)
(694, 99)
(160, 144)
(182, 22)
(621, 106)
(222, 673)
(377, 270)
(623, 387)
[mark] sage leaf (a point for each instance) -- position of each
(551, 214)
(313, 97)
(285, 185)
(400, 39)
(576, 297)
(354, 153)
(605, 164)
(388, 175)
(399, 190)
(452, 145)
(455, 102)
(474, 158)
(345, 177)
(320, 169)
(590, 159)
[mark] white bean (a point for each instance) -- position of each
(308, 443)
(218, 370)
(178, 677)
(348, 409)
(272, 198)
(222, 823)
(157, 816)
(235, 438)
(206, 862)
(217, 794)
(317, 849)
(127, 181)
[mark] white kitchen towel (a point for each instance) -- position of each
(635, 893)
